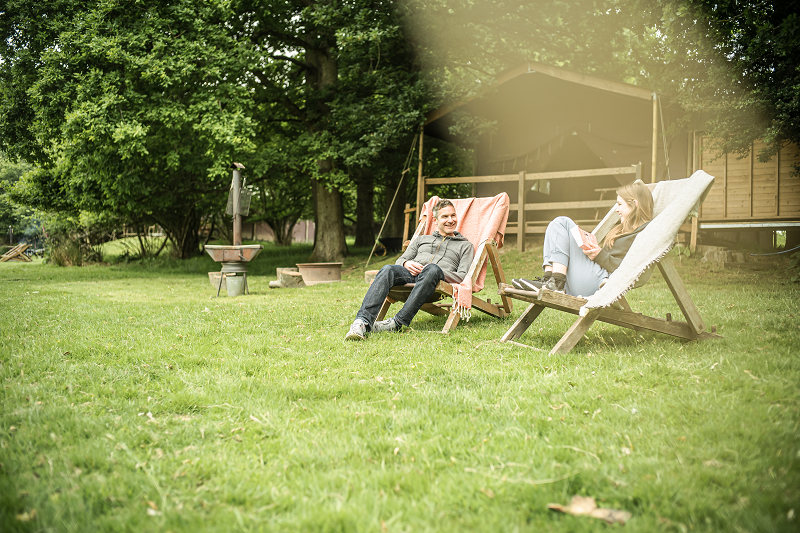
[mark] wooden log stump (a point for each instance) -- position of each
(213, 278)
(291, 280)
(369, 276)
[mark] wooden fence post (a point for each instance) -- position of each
(420, 179)
(521, 213)
(655, 138)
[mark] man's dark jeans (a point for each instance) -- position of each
(392, 275)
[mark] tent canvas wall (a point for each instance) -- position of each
(549, 119)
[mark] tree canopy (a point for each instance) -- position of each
(136, 109)
(731, 64)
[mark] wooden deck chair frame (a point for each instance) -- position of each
(620, 315)
(17, 253)
(486, 250)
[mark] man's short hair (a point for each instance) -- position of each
(441, 204)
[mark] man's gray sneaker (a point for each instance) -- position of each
(387, 325)
(358, 331)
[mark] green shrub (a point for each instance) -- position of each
(794, 265)
(76, 240)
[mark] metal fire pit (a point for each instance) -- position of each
(234, 258)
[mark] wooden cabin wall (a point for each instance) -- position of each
(789, 192)
(747, 189)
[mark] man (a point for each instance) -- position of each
(445, 255)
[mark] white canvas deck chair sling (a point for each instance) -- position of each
(674, 201)
(483, 222)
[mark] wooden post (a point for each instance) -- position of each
(693, 238)
(237, 218)
(639, 171)
(725, 186)
(407, 214)
(750, 190)
(521, 213)
(655, 138)
(778, 184)
(420, 180)
(474, 169)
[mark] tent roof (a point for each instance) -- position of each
(531, 79)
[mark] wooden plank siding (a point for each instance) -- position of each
(748, 189)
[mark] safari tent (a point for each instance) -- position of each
(563, 141)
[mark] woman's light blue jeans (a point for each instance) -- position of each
(583, 274)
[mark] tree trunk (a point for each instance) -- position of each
(190, 235)
(282, 228)
(365, 211)
(329, 243)
(184, 232)
(330, 246)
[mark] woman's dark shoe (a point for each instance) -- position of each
(556, 283)
(531, 284)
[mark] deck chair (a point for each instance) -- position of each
(17, 253)
(674, 201)
(483, 222)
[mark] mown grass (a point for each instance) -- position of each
(132, 400)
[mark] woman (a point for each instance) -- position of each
(579, 270)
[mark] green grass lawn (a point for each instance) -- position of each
(132, 400)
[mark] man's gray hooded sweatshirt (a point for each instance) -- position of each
(452, 254)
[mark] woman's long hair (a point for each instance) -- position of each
(638, 196)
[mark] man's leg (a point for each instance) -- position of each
(388, 277)
(425, 286)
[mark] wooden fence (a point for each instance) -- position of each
(523, 179)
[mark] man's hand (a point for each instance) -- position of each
(413, 267)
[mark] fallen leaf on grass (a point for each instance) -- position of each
(27, 516)
(586, 506)
(713, 462)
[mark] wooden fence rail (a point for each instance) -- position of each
(522, 179)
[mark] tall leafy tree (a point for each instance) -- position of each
(464, 44)
(732, 64)
(342, 71)
(134, 108)
(15, 219)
